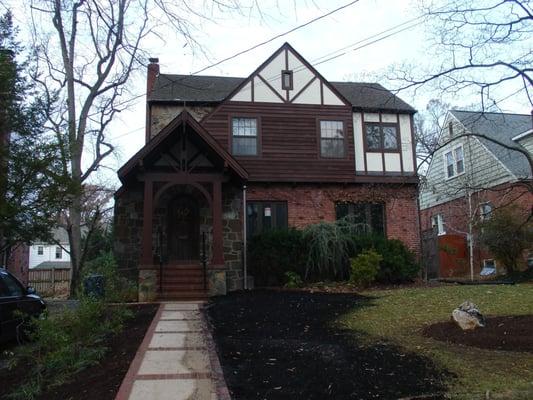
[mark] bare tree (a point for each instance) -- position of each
(480, 46)
(87, 51)
(428, 125)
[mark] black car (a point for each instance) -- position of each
(15, 297)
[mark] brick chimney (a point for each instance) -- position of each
(151, 75)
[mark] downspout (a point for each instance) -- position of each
(244, 241)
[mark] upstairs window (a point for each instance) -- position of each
(437, 222)
(244, 136)
(40, 250)
(381, 137)
(455, 163)
(370, 214)
(59, 253)
(286, 80)
(332, 139)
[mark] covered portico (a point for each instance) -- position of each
(185, 178)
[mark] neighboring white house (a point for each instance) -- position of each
(56, 252)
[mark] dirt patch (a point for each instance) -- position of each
(285, 345)
(102, 381)
(513, 333)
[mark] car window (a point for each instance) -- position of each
(10, 286)
(3, 288)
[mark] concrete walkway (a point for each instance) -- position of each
(176, 360)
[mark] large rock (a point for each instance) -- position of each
(468, 317)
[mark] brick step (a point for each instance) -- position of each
(183, 271)
(182, 281)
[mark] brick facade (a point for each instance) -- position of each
(456, 213)
(313, 203)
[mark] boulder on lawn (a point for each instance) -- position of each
(468, 317)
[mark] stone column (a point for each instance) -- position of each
(218, 240)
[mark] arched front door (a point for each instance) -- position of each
(183, 229)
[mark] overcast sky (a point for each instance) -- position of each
(225, 34)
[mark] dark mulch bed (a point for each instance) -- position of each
(102, 381)
(281, 345)
(513, 333)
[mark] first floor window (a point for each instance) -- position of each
(244, 136)
(381, 137)
(40, 250)
(332, 139)
(455, 163)
(59, 252)
(262, 216)
(485, 211)
(372, 215)
(437, 222)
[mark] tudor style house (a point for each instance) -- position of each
(470, 176)
(226, 158)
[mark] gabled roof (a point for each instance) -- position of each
(501, 127)
(183, 118)
(215, 89)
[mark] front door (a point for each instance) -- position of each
(183, 229)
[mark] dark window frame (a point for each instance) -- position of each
(291, 79)
(271, 203)
(382, 148)
(367, 211)
(344, 138)
(257, 137)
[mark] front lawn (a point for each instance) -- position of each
(399, 316)
(301, 345)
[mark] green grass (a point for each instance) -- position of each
(399, 315)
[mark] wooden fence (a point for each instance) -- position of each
(52, 282)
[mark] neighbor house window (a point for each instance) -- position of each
(40, 250)
(455, 163)
(437, 221)
(59, 253)
(370, 215)
(262, 216)
(485, 211)
(244, 136)
(381, 137)
(332, 139)
(489, 267)
(286, 80)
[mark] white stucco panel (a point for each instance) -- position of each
(392, 162)
(371, 117)
(262, 93)
(389, 118)
(311, 94)
(358, 142)
(407, 144)
(245, 94)
(331, 98)
(301, 75)
(374, 162)
(272, 72)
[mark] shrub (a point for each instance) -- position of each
(272, 253)
(117, 288)
(507, 234)
(66, 344)
(365, 267)
(327, 251)
(292, 280)
(398, 263)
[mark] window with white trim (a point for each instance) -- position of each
(485, 211)
(332, 139)
(59, 253)
(454, 162)
(438, 222)
(40, 250)
(244, 136)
